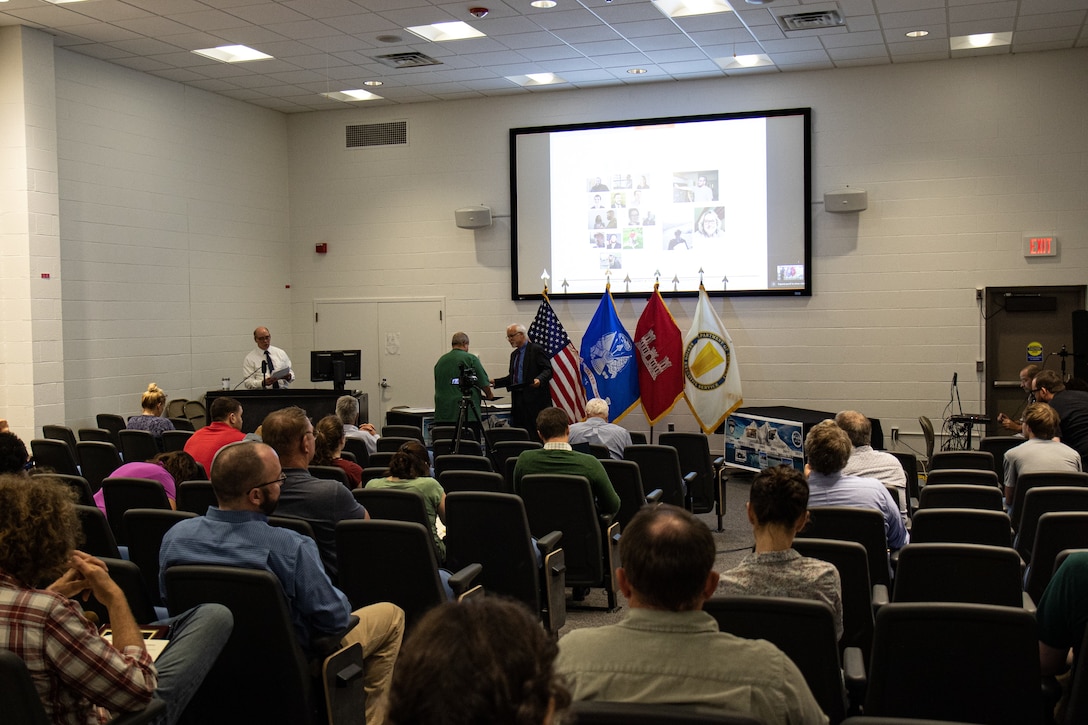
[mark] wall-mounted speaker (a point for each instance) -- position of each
(473, 217)
(846, 200)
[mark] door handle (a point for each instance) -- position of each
(384, 383)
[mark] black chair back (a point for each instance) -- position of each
(392, 444)
(909, 462)
(262, 655)
(466, 447)
(98, 539)
(958, 573)
(1055, 533)
(852, 562)
(502, 450)
(175, 440)
(332, 473)
(488, 481)
(979, 460)
(961, 526)
(196, 496)
(497, 435)
(447, 432)
(78, 485)
(393, 505)
(379, 459)
(565, 503)
(137, 445)
(638, 438)
(460, 462)
(97, 459)
(61, 433)
(997, 446)
(372, 472)
(803, 629)
(113, 423)
(660, 468)
(122, 494)
(627, 480)
(144, 529)
(96, 435)
(962, 477)
(357, 446)
(54, 454)
(299, 526)
(963, 496)
(130, 579)
(403, 431)
(1045, 500)
(388, 561)
(694, 452)
(958, 662)
(183, 424)
(1027, 481)
(865, 526)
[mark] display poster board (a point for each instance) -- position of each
(755, 442)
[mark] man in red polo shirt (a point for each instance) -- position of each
(226, 428)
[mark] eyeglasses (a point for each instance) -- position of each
(265, 337)
(511, 337)
(280, 480)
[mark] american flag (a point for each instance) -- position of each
(566, 386)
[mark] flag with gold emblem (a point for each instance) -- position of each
(711, 373)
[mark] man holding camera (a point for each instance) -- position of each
(447, 394)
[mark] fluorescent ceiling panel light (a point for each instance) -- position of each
(57, 2)
(979, 40)
(352, 96)
(544, 4)
(439, 32)
(754, 60)
(683, 8)
(232, 54)
(536, 79)
(917, 33)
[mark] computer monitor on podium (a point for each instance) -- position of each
(335, 365)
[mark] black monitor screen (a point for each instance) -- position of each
(335, 365)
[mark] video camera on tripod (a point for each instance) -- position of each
(467, 379)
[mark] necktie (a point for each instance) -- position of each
(517, 365)
(268, 358)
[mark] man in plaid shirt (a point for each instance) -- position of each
(78, 674)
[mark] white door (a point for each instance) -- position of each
(400, 340)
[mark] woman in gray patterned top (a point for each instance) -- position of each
(778, 510)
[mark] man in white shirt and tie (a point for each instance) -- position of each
(264, 365)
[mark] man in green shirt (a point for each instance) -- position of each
(447, 395)
(557, 456)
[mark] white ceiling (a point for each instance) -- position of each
(330, 45)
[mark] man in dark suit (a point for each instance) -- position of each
(528, 381)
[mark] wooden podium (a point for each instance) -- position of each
(256, 404)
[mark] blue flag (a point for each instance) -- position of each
(609, 370)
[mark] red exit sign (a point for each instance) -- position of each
(1040, 245)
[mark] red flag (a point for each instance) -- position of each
(660, 359)
(566, 386)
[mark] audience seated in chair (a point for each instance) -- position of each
(13, 455)
(247, 478)
(777, 510)
(869, 463)
(73, 668)
(321, 502)
(1040, 453)
(597, 429)
(408, 471)
(329, 443)
(169, 469)
(557, 457)
(484, 660)
(667, 574)
(153, 403)
(827, 452)
(226, 427)
(347, 410)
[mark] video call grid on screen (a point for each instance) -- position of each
(726, 194)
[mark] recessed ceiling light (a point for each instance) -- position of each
(536, 79)
(917, 33)
(58, 2)
(389, 39)
(636, 71)
(352, 96)
(684, 8)
(544, 4)
(373, 83)
(754, 60)
(979, 40)
(439, 32)
(232, 54)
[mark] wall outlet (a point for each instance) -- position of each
(980, 366)
(895, 434)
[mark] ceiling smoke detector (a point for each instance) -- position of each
(478, 12)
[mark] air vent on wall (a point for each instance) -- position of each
(406, 60)
(812, 21)
(394, 133)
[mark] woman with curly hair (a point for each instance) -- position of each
(153, 403)
(329, 444)
(410, 470)
(484, 660)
